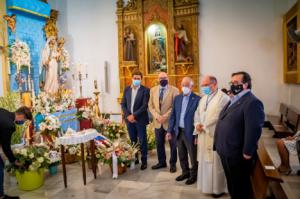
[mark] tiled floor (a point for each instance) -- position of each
(136, 184)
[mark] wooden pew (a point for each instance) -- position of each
(263, 179)
(289, 124)
(277, 120)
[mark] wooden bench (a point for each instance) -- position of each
(263, 179)
(276, 120)
(289, 124)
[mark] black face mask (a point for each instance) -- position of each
(163, 82)
(236, 89)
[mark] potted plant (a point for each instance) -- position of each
(54, 161)
(85, 115)
(34, 160)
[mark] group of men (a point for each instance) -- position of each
(216, 136)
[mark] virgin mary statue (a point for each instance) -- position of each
(49, 71)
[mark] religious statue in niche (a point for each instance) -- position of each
(11, 21)
(156, 48)
(292, 47)
(129, 45)
(49, 71)
(181, 42)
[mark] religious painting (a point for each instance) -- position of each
(291, 46)
(156, 49)
(181, 45)
(291, 41)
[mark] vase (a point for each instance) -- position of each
(53, 170)
(30, 180)
(121, 169)
(85, 124)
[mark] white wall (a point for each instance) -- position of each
(234, 35)
(1, 76)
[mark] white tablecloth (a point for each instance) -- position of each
(78, 138)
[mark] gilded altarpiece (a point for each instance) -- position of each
(158, 35)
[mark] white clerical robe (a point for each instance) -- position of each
(211, 177)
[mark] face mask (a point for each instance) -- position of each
(206, 90)
(236, 89)
(163, 82)
(136, 82)
(20, 122)
(186, 90)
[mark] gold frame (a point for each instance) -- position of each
(3, 44)
(139, 15)
(291, 77)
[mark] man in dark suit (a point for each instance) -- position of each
(135, 108)
(181, 126)
(8, 120)
(237, 132)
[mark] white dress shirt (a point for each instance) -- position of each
(134, 92)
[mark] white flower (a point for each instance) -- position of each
(31, 155)
(24, 152)
(40, 159)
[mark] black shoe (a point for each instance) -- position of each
(11, 197)
(159, 166)
(137, 161)
(182, 177)
(172, 169)
(191, 180)
(143, 166)
(217, 195)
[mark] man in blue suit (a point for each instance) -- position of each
(135, 108)
(237, 133)
(181, 126)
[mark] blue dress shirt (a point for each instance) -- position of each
(184, 104)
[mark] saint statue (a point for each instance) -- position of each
(181, 41)
(159, 52)
(49, 71)
(63, 61)
(129, 45)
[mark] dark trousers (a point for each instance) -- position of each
(185, 150)
(160, 137)
(1, 177)
(139, 132)
(237, 172)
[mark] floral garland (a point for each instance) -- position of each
(20, 53)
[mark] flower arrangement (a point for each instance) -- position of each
(86, 112)
(151, 137)
(125, 152)
(32, 158)
(10, 101)
(20, 54)
(50, 126)
(54, 158)
(111, 130)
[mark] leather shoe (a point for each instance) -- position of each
(191, 180)
(217, 195)
(172, 169)
(182, 177)
(143, 166)
(159, 166)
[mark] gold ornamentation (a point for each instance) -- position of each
(185, 2)
(120, 4)
(185, 66)
(11, 21)
(50, 27)
(131, 5)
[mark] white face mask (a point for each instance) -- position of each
(185, 90)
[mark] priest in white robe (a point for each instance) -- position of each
(211, 177)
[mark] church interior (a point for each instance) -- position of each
(80, 68)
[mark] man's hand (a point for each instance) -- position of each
(159, 119)
(131, 118)
(247, 157)
(18, 164)
(169, 136)
(199, 127)
(163, 119)
(196, 140)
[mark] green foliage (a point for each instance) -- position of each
(10, 102)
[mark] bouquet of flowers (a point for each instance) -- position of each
(43, 104)
(20, 53)
(32, 158)
(11, 101)
(113, 130)
(50, 126)
(86, 112)
(54, 158)
(151, 137)
(125, 152)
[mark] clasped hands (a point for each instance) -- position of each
(131, 119)
(161, 119)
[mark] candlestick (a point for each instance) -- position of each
(97, 93)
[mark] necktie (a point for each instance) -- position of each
(161, 97)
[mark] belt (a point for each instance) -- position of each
(181, 129)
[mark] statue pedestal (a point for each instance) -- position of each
(80, 102)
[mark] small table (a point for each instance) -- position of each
(80, 138)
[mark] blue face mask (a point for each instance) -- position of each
(136, 82)
(206, 90)
(20, 122)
